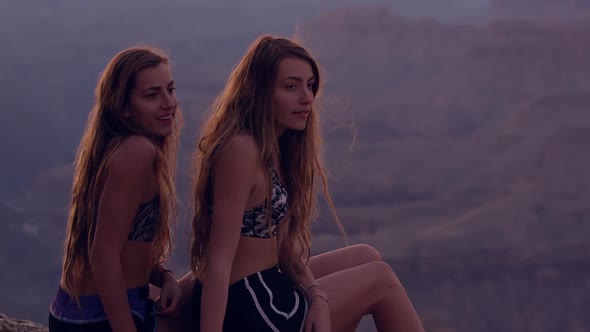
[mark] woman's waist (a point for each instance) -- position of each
(253, 256)
(133, 278)
(241, 270)
(89, 289)
(89, 307)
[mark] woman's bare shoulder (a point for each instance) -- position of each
(134, 157)
(241, 147)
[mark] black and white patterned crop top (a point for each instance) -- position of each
(254, 223)
(146, 221)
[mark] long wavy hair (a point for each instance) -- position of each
(106, 128)
(244, 106)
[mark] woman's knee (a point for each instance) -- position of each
(366, 253)
(384, 276)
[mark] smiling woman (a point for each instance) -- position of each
(123, 202)
(152, 103)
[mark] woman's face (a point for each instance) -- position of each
(292, 98)
(152, 103)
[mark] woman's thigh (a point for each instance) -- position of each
(354, 292)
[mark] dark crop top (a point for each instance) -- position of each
(146, 221)
(254, 223)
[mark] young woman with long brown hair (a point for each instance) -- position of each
(258, 169)
(123, 202)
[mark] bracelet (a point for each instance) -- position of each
(162, 276)
(314, 284)
(305, 290)
(321, 296)
(322, 303)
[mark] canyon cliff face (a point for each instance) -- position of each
(468, 161)
(465, 129)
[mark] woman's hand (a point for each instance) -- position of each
(318, 315)
(170, 300)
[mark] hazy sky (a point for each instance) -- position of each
(443, 9)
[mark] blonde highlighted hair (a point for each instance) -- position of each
(244, 106)
(106, 128)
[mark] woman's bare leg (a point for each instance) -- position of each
(370, 288)
(341, 259)
(356, 282)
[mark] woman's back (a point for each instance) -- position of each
(257, 247)
(130, 168)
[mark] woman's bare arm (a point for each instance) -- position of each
(234, 176)
(129, 174)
